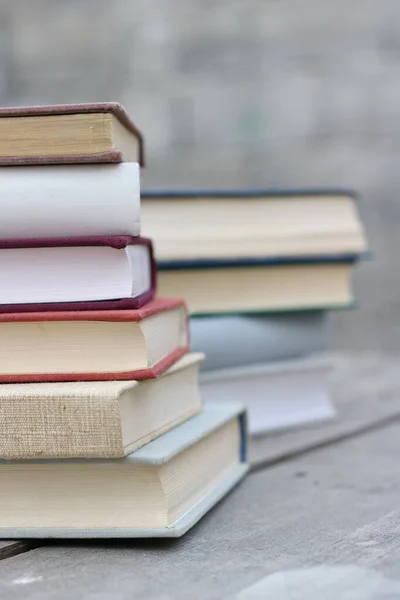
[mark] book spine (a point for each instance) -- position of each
(59, 427)
(243, 427)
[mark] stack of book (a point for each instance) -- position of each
(102, 428)
(259, 270)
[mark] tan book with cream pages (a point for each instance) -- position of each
(100, 132)
(98, 419)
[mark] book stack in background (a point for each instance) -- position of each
(260, 271)
(102, 428)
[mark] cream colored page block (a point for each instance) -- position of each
(185, 482)
(124, 141)
(210, 228)
(71, 347)
(164, 333)
(160, 402)
(79, 495)
(55, 134)
(259, 288)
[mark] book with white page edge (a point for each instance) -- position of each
(70, 200)
(278, 396)
(78, 273)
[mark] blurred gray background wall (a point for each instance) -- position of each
(239, 93)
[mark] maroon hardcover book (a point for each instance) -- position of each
(159, 305)
(111, 156)
(117, 242)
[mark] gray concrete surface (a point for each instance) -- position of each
(324, 523)
(233, 94)
(336, 507)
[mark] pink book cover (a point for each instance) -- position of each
(151, 308)
(118, 242)
(112, 156)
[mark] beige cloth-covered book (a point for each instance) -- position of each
(99, 419)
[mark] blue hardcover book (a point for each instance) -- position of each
(226, 194)
(242, 340)
(228, 226)
(259, 261)
(259, 286)
(161, 490)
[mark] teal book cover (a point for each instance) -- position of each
(157, 453)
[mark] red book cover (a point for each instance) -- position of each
(113, 156)
(154, 307)
(118, 242)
